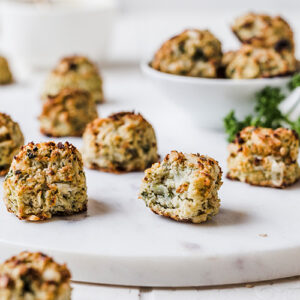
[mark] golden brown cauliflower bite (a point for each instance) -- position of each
(193, 52)
(34, 276)
(45, 180)
(11, 140)
(75, 72)
(251, 62)
(5, 73)
(67, 113)
(183, 187)
(264, 157)
(123, 142)
(264, 31)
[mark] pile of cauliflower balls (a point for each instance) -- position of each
(267, 50)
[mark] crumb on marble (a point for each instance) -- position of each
(263, 235)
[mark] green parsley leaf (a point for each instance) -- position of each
(267, 111)
(295, 82)
(233, 126)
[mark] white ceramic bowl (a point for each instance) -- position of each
(37, 35)
(209, 100)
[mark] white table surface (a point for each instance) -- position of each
(286, 289)
(137, 87)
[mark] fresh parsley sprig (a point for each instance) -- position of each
(266, 112)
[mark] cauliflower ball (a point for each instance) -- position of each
(251, 62)
(44, 180)
(123, 142)
(192, 53)
(227, 58)
(183, 187)
(5, 73)
(75, 72)
(264, 31)
(11, 140)
(265, 157)
(34, 276)
(67, 113)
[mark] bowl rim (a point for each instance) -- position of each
(148, 70)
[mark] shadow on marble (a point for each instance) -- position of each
(97, 208)
(58, 218)
(228, 217)
(295, 186)
(109, 101)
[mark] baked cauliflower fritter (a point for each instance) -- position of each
(11, 140)
(251, 62)
(34, 276)
(44, 180)
(67, 113)
(122, 142)
(227, 58)
(5, 73)
(264, 31)
(75, 72)
(264, 157)
(194, 52)
(183, 187)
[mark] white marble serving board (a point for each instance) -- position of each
(119, 241)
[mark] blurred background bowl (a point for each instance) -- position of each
(37, 34)
(208, 101)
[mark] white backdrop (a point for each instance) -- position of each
(143, 24)
(279, 5)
